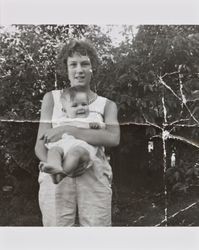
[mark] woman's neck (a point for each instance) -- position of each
(91, 96)
(90, 93)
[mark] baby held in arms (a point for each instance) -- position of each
(65, 155)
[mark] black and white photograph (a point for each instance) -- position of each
(99, 125)
(117, 105)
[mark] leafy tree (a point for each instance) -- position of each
(28, 71)
(152, 76)
(156, 75)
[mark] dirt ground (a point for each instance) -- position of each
(130, 208)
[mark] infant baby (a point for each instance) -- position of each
(65, 155)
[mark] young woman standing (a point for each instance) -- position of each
(86, 192)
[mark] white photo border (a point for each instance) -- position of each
(99, 12)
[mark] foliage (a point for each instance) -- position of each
(170, 52)
(184, 174)
(157, 76)
(28, 71)
(153, 76)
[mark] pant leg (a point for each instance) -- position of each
(94, 196)
(57, 201)
(66, 202)
(47, 200)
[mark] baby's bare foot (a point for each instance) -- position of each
(48, 168)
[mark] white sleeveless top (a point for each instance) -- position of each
(96, 108)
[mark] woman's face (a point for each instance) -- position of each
(79, 70)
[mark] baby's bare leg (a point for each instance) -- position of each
(53, 165)
(74, 157)
(54, 161)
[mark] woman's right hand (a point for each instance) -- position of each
(51, 135)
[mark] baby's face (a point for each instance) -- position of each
(78, 107)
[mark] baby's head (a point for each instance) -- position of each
(75, 102)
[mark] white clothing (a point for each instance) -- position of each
(78, 122)
(68, 141)
(96, 109)
(90, 192)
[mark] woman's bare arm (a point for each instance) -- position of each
(109, 136)
(45, 125)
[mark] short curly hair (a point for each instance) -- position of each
(83, 47)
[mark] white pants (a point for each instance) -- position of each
(91, 193)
